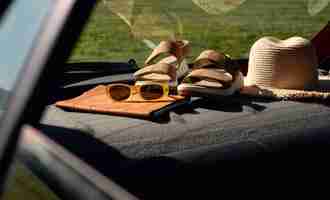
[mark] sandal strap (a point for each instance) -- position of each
(158, 71)
(212, 59)
(179, 49)
(210, 74)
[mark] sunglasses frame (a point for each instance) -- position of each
(136, 90)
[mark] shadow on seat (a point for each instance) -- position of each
(143, 177)
(148, 178)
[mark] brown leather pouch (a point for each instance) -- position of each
(97, 101)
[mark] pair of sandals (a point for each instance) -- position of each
(212, 72)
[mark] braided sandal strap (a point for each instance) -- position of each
(179, 49)
(158, 72)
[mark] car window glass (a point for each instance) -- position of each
(120, 30)
(18, 29)
(23, 184)
(123, 29)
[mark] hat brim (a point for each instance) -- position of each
(321, 94)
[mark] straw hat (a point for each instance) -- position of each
(285, 69)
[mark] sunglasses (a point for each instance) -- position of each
(147, 91)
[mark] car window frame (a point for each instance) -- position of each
(51, 48)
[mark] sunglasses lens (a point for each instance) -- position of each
(152, 91)
(119, 92)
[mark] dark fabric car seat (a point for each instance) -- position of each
(181, 154)
(201, 124)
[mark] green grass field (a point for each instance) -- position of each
(108, 38)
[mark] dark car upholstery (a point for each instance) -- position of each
(168, 155)
(201, 124)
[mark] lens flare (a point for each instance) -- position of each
(316, 6)
(215, 7)
(145, 21)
